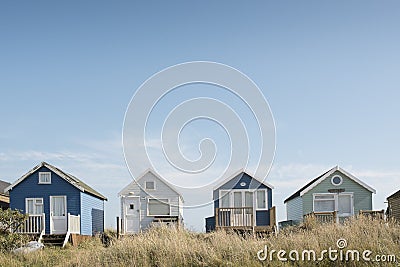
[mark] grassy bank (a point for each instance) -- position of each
(171, 247)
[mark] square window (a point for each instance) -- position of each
(131, 206)
(34, 206)
(150, 185)
(158, 207)
(324, 203)
(44, 177)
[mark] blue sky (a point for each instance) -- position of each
(329, 71)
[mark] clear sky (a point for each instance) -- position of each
(329, 70)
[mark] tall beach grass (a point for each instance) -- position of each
(166, 246)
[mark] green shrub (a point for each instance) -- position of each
(10, 220)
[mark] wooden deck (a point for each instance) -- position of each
(242, 219)
(35, 225)
(329, 217)
(323, 217)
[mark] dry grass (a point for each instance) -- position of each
(171, 247)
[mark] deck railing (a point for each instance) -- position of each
(34, 224)
(234, 217)
(375, 214)
(74, 224)
(323, 217)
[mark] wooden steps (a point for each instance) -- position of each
(54, 240)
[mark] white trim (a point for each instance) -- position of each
(44, 173)
(337, 168)
(266, 199)
(337, 176)
(236, 174)
(162, 200)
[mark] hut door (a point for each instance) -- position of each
(132, 214)
(242, 213)
(58, 214)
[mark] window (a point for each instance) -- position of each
(44, 177)
(150, 185)
(243, 198)
(324, 202)
(34, 206)
(237, 201)
(225, 199)
(158, 207)
(261, 199)
(342, 203)
(248, 199)
(131, 206)
(58, 205)
(337, 180)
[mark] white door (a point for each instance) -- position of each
(242, 217)
(345, 205)
(58, 214)
(132, 214)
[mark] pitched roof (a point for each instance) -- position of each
(297, 193)
(322, 177)
(4, 185)
(394, 195)
(240, 173)
(156, 175)
(66, 176)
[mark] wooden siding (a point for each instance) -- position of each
(262, 217)
(294, 209)
(162, 191)
(92, 214)
(362, 197)
(30, 188)
(394, 207)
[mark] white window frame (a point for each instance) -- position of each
(34, 199)
(145, 185)
(351, 204)
(266, 199)
(43, 173)
(341, 180)
(162, 200)
(333, 198)
(336, 202)
(243, 192)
